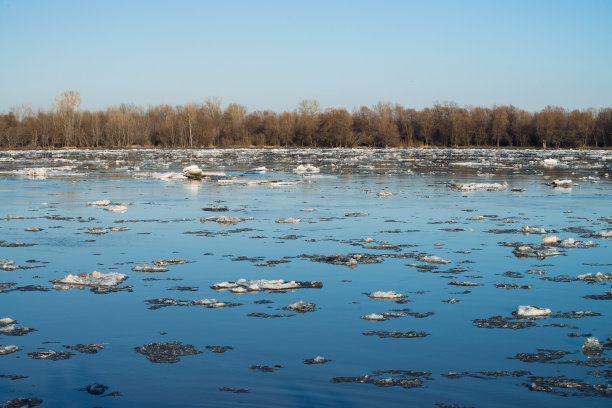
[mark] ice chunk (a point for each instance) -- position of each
(571, 243)
(592, 348)
(602, 234)
(260, 170)
(561, 183)
(94, 279)
(384, 194)
(532, 311)
(302, 307)
(116, 208)
(435, 260)
(533, 230)
(316, 360)
(224, 220)
(374, 317)
(550, 239)
(149, 268)
(479, 186)
(99, 203)
(308, 168)
(550, 162)
(4, 350)
(385, 295)
(289, 221)
(97, 231)
(210, 303)
(192, 172)
(269, 285)
(598, 277)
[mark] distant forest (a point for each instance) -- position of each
(207, 124)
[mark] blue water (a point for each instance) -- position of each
(349, 181)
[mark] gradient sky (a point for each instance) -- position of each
(272, 54)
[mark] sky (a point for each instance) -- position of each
(273, 54)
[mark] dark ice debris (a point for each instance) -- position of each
(272, 263)
(244, 258)
(215, 209)
(512, 274)
(558, 278)
(542, 356)
(499, 322)
(169, 262)
(13, 377)
(95, 389)
(468, 284)
(265, 368)
(9, 327)
(601, 373)
(268, 315)
(388, 378)
(209, 303)
(511, 286)
(22, 403)
(568, 387)
(86, 348)
(263, 302)
(575, 314)
(301, 307)
(219, 349)
(487, 375)
(111, 289)
(51, 355)
(350, 260)
(235, 390)
(4, 244)
(168, 352)
(443, 405)
(574, 334)
(316, 360)
(395, 334)
(185, 288)
(606, 296)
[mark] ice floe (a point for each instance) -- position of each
(532, 311)
(289, 221)
(100, 203)
(385, 295)
(374, 317)
(149, 268)
(266, 285)
(479, 186)
(9, 327)
(93, 279)
(592, 348)
(306, 169)
(4, 350)
(301, 307)
(566, 183)
(167, 352)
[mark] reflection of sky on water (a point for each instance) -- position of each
(163, 218)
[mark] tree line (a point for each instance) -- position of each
(208, 124)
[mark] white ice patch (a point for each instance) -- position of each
(562, 183)
(94, 279)
(385, 295)
(550, 239)
(532, 311)
(116, 208)
(435, 260)
(99, 203)
(4, 350)
(264, 284)
(479, 186)
(149, 268)
(212, 303)
(289, 221)
(384, 194)
(374, 317)
(307, 168)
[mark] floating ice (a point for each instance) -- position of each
(598, 277)
(225, 220)
(550, 162)
(532, 311)
(149, 268)
(533, 230)
(384, 194)
(316, 360)
(97, 231)
(479, 186)
(302, 307)
(169, 262)
(592, 348)
(168, 352)
(550, 239)
(8, 265)
(268, 285)
(527, 251)
(9, 327)
(435, 260)
(4, 350)
(385, 295)
(94, 279)
(192, 172)
(260, 170)
(304, 169)
(99, 203)
(374, 317)
(289, 221)
(51, 355)
(571, 243)
(561, 183)
(209, 303)
(116, 208)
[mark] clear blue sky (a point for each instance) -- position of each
(272, 54)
